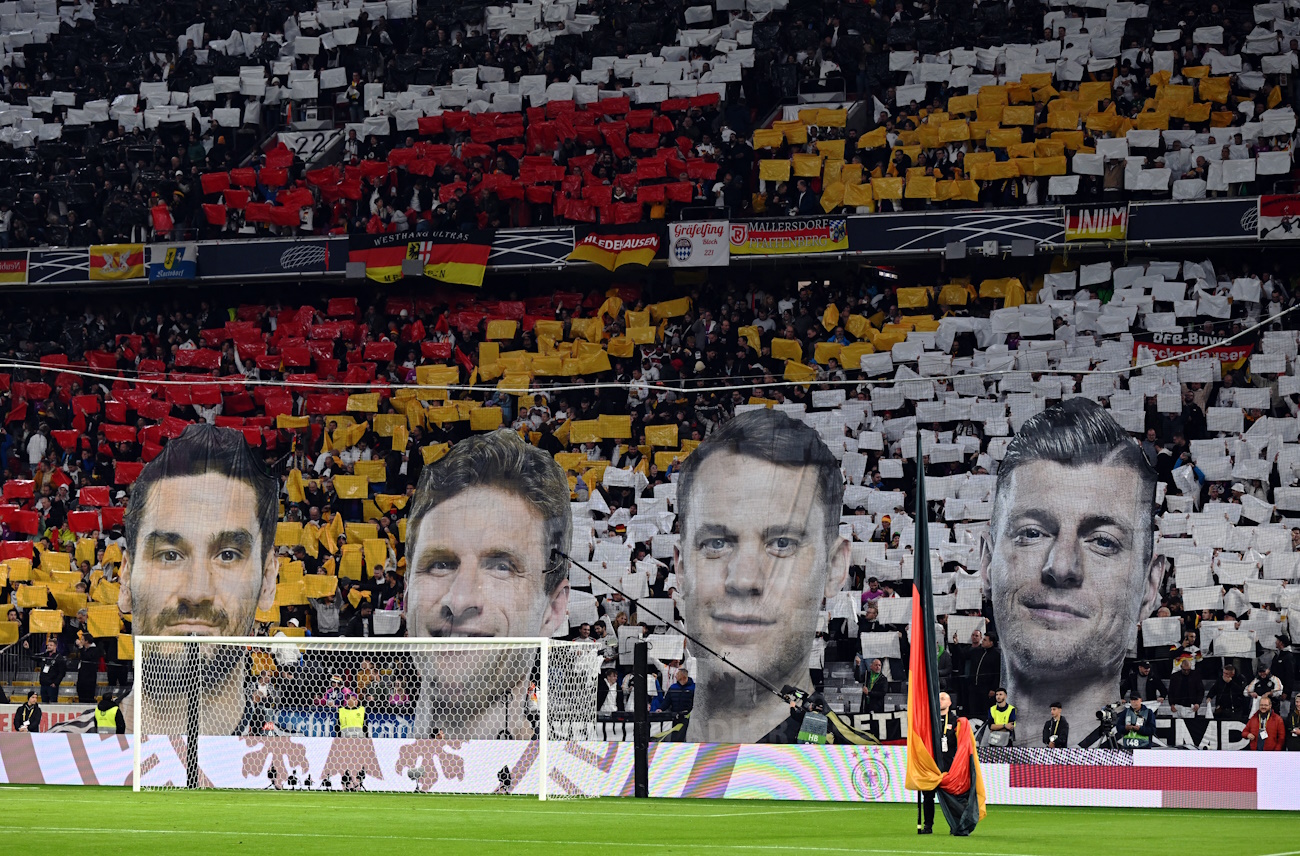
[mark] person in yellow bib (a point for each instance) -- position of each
(352, 717)
(1002, 720)
(108, 716)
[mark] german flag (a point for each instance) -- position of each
(117, 261)
(960, 788)
(613, 251)
(448, 255)
(13, 266)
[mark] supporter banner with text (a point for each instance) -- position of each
(173, 261)
(1176, 345)
(791, 236)
(1096, 223)
(13, 267)
(117, 261)
(612, 251)
(1279, 217)
(1149, 779)
(448, 255)
(698, 243)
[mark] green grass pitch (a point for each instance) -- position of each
(117, 822)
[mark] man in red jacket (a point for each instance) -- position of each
(1265, 730)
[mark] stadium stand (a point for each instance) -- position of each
(239, 120)
(533, 115)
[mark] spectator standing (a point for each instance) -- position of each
(87, 667)
(37, 445)
(1265, 730)
(1056, 730)
(1265, 685)
(985, 673)
(1144, 682)
(1293, 729)
(874, 687)
(1186, 690)
(1229, 695)
(54, 666)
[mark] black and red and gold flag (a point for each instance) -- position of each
(959, 789)
(448, 255)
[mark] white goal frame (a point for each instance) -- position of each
(544, 645)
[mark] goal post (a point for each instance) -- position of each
(446, 715)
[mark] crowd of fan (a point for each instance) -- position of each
(109, 172)
(72, 443)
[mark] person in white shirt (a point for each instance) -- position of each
(37, 445)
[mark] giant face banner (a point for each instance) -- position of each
(780, 543)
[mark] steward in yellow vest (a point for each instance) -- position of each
(108, 716)
(352, 718)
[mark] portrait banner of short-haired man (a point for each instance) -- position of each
(1068, 559)
(199, 561)
(484, 528)
(759, 503)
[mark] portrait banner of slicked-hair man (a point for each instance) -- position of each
(759, 504)
(199, 561)
(1068, 561)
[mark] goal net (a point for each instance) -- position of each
(479, 716)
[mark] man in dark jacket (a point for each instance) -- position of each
(985, 673)
(1186, 691)
(874, 686)
(1229, 696)
(87, 667)
(28, 716)
(1056, 730)
(1293, 729)
(680, 697)
(53, 667)
(1144, 682)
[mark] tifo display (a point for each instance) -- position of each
(751, 400)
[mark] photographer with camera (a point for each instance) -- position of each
(1138, 724)
(1056, 730)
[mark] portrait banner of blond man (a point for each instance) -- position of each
(1068, 559)
(485, 526)
(759, 503)
(199, 561)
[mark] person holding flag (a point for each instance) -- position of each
(941, 757)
